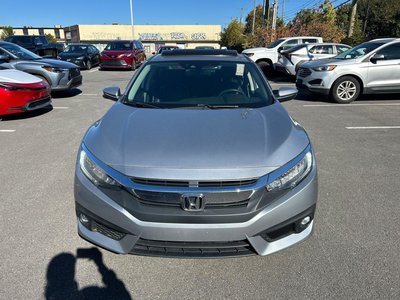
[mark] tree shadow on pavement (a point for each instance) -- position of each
(61, 283)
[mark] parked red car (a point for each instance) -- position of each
(122, 55)
(21, 92)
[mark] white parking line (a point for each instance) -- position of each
(94, 70)
(60, 107)
(346, 105)
(7, 130)
(374, 127)
(88, 94)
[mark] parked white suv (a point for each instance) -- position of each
(290, 60)
(266, 57)
(371, 67)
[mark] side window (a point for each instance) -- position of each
(312, 49)
(322, 49)
(391, 51)
(138, 45)
(289, 44)
(341, 49)
(308, 41)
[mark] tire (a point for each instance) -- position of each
(88, 64)
(265, 67)
(44, 79)
(133, 64)
(345, 90)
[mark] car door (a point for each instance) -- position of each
(384, 74)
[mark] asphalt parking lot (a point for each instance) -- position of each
(353, 254)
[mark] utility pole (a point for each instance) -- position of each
(133, 31)
(352, 17)
(254, 17)
(283, 11)
(241, 15)
(366, 17)
(274, 15)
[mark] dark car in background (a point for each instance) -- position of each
(37, 44)
(122, 54)
(84, 55)
(60, 75)
(164, 48)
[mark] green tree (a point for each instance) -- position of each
(232, 36)
(259, 22)
(6, 32)
(50, 38)
(329, 13)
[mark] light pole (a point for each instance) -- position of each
(133, 31)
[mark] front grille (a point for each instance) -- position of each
(37, 103)
(74, 72)
(108, 232)
(113, 63)
(203, 184)
(304, 72)
(192, 249)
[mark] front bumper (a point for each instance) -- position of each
(116, 63)
(145, 237)
(287, 70)
(68, 79)
(315, 82)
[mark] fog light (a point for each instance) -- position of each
(305, 221)
(84, 220)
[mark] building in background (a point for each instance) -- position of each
(57, 31)
(152, 36)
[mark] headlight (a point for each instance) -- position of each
(80, 57)
(53, 69)
(293, 176)
(94, 172)
(324, 68)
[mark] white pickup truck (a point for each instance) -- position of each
(266, 57)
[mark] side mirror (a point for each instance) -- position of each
(4, 58)
(112, 93)
(153, 53)
(280, 49)
(374, 58)
(285, 94)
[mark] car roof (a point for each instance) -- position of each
(386, 40)
(202, 55)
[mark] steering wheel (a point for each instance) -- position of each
(231, 91)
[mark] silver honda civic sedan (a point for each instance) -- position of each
(196, 158)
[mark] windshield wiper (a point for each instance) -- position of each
(217, 106)
(140, 104)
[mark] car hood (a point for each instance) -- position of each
(116, 53)
(257, 50)
(328, 61)
(44, 61)
(71, 55)
(15, 76)
(197, 144)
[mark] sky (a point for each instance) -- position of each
(47, 13)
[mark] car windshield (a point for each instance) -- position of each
(359, 50)
(76, 48)
(165, 48)
(199, 84)
(19, 52)
(276, 43)
(119, 46)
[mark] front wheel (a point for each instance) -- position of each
(88, 64)
(265, 67)
(345, 90)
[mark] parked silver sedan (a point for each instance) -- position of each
(60, 75)
(197, 158)
(290, 60)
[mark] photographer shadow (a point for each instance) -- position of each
(61, 283)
